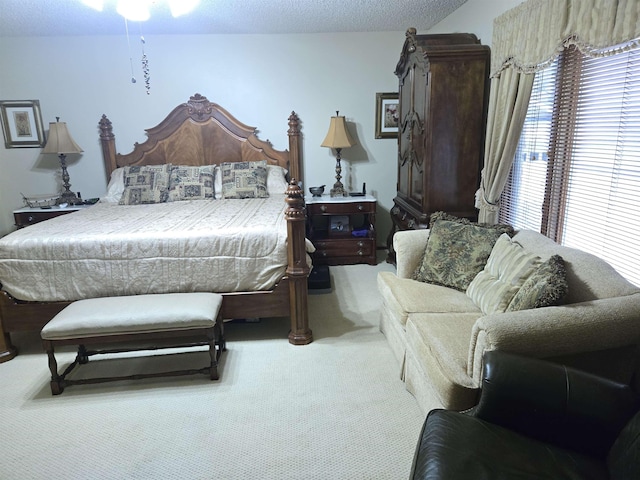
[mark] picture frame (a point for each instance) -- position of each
(339, 225)
(387, 115)
(22, 123)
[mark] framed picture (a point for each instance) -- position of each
(387, 113)
(339, 225)
(22, 123)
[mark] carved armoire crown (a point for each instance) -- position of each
(443, 94)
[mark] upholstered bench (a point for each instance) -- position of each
(133, 322)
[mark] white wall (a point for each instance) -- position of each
(260, 79)
(475, 16)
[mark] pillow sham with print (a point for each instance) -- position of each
(145, 184)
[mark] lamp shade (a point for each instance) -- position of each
(338, 135)
(60, 140)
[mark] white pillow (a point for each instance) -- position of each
(276, 180)
(115, 188)
(507, 268)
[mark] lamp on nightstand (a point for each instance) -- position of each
(338, 138)
(60, 142)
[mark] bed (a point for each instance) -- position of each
(195, 222)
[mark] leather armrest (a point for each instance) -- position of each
(554, 403)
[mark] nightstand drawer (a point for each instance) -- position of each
(341, 208)
(28, 216)
(362, 247)
(24, 219)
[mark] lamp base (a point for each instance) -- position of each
(69, 197)
(338, 190)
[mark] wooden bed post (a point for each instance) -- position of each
(108, 141)
(297, 269)
(295, 164)
(7, 350)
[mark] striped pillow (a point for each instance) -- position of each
(507, 268)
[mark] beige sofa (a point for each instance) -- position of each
(439, 335)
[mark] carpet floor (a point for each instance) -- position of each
(334, 409)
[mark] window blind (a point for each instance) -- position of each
(589, 194)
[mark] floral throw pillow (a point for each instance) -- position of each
(190, 182)
(244, 179)
(456, 251)
(545, 287)
(145, 184)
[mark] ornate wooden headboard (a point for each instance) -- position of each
(201, 133)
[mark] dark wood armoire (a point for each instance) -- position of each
(443, 93)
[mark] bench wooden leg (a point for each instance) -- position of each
(213, 355)
(57, 386)
(82, 357)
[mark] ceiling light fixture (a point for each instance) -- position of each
(139, 10)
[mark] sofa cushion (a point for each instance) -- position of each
(456, 251)
(439, 342)
(546, 286)
(404, 296)
(507, 269)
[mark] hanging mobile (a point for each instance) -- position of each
(145, 66)
(126, 27)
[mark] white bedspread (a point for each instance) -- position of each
(107, 250)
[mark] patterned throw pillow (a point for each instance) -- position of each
(145, 184)
(545, 287)
(244, 179)
(456, 250)
(190, 182)
(507, 269)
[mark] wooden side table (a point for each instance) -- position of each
(26, 216)
(343, 229)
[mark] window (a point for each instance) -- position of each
(576, 173)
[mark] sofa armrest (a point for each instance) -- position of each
(554, 403)
(547, 332)
(409, 246)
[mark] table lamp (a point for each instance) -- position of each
(60, 142)
(338, 137)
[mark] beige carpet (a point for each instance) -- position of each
(335, 409)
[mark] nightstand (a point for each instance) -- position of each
(343, 229)
(28, 216)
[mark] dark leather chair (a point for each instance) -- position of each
(535, 420)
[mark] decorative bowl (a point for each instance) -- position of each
(317, 191)
(40, 201)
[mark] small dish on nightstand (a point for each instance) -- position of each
(317, 191)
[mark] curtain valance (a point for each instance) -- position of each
(531, 35)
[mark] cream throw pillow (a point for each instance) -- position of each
(507, 268)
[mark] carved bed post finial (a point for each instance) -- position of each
(295, 164)
(297, 268)
(108, 141)
(106, 130)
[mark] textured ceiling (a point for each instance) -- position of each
(72, 17)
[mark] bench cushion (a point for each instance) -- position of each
(96, 317)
